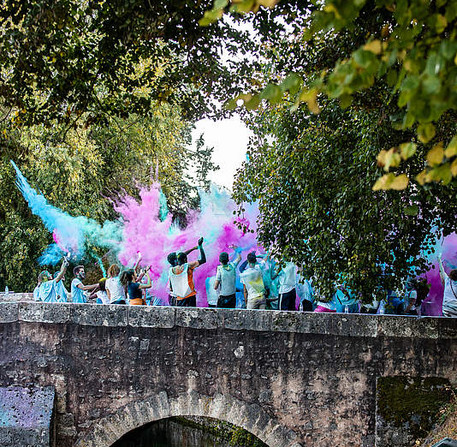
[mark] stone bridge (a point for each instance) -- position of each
(291, 379)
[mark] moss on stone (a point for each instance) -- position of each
(236, 436)
(412, 401)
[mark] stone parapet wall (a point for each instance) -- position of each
(351, 325)
(15, 297)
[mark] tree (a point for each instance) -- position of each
(312, 177)
(312, 173)
(82, 169)
(63, 59)
(410, 46)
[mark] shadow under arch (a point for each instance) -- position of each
(106, 431)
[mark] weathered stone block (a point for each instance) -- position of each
(250, 320)
(45, 312)
(151, 316)
(26, 416)
(447, 327)
(406, 408)
(100, 315)
(197, 318)
(9, 312)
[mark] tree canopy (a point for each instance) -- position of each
(60, 59)
(407, 46)
(83, 170)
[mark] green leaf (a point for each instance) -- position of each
(426, 132)
(412, 210)
(292, 83)
(271, 93)
(431, 84)
(253, 103)
(407, 150)
(231, 104)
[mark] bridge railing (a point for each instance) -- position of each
(351, 325)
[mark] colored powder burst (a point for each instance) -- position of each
(146, 231)
(70, 234)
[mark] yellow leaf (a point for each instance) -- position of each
(400, 182)
(392, 159)
(332, 8)
(383, 182)
(310, 97)
(451, 149)
(267, 3)
(454, 168)
(426, 132)
(420, 178)
(435, 155)
(374, 46)
(381, 158)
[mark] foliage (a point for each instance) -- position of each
(62, 59)
(410, 46)
(83, 168)
(312, 178)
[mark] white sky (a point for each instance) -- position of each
(229, 138)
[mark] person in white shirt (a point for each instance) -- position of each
(254, 288)
(226, 280)
(102, 296)
(287, 292)
(114, 289)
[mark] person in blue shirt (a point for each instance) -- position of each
(50, 290)
(77, 286)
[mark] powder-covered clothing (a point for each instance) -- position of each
(103, 297)
(77, 294)
(450, 298)
(182, 281)
(48, 292)
(253, 281)
(329, 306)
(116, 289)
(61, 292)
(211, 293)
(226, 275)
(287, 277)
(257, 302)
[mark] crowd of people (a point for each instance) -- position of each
(256, 283)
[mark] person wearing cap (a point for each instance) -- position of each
(254, 288)
(181, 278)
(226, 279)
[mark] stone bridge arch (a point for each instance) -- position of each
(106, 431)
